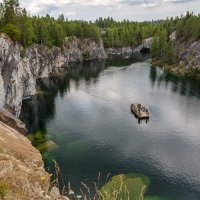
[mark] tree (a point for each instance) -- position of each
(1, 15)
(11, 11)
(12, 31)
(155, 48)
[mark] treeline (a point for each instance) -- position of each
(126, 33)
(26, 29)
(20, 26)
(187, 29)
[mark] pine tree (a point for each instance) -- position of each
(12, 11)
(155, 48)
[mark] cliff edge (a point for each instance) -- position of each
(22, 174)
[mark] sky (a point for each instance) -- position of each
(135, 10)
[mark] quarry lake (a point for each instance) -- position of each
(82, 120)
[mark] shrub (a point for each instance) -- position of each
(12, 31)
(4, 188)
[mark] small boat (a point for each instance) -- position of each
(139, 111)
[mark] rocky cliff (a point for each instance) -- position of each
(22, 174)
(188, 53)
(20, 68)
(145, 46)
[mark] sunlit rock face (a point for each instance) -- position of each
(1, 92)
(188, 53)
(145, 47)
(17, 79)
(20, 68)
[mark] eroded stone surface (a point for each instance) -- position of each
(22, 169)
(21, 166)
(20, 68)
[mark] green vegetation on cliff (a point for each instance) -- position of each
(20, 26)
(43, 30)
(26, 29)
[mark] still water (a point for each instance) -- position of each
(84, 119)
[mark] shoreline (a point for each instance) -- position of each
(177, 69)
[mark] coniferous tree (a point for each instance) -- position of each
(11, 12)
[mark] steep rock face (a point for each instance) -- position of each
(119, 51)
(21, 167)
(2, 95)
(188, 53)
(20, 68)
(93, 49)
(76, 50)
(145, 45)
(22, 173)
(71, 51)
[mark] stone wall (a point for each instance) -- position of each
(20, 68)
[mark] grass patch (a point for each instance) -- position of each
(20, 157)
(1, 150)
(4, 189)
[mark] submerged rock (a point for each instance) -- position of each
(127, 186)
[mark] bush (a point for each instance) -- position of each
(12, 31)
(4, 188)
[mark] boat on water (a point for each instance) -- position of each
(139, 111)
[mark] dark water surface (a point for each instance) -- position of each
(86, 114)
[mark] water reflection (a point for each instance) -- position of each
(41, 108)
(185, 86)
(37, 111)
(83, 121)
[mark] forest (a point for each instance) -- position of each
(46, 30)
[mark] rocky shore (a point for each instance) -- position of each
(188, 57)
(145, 46)
(22, 173)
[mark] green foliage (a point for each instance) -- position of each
(12, 31)
(48, 31)
(1, 150)
(162, 48)
(125, 33)
(4, 189)
(11, 11)
(1, 15)
(188, 27)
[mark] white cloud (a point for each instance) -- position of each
(119, 9)
(72, 13)
(149, 5)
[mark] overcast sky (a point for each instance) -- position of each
(137, 10)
